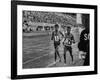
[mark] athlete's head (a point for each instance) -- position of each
(56, 27)
(68, 29)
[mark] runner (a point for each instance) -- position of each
(56, 38)
(68, 40)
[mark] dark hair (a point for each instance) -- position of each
(68, 27)
(56, 26)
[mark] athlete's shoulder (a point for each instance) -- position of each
(85, 31)
(53, 32)
(69, 34)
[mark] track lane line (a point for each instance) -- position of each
(52, 63)
(34, 59)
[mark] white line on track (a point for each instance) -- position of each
(35, 59)
(52, 63)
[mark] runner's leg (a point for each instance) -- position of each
(64, 54)
(58, 54)
(70, 50)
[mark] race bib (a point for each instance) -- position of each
(68, 42)
(56, 38)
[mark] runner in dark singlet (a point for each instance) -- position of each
(56, 38)
(69, 39)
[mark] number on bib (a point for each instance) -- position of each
(56, 38)
(67, 41)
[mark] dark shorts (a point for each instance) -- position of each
(68, 48)
(56, 44)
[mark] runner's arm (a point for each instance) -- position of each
(52, 36)
(61, 33)
(72, 38)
